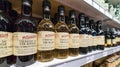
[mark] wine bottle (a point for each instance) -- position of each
(24, 37)
(100, 35)
(5, 36)
(62, 35)
(74, 34)
(94, 38)
(83, 34)
(46, 35)
(89, 33)
(108, 38)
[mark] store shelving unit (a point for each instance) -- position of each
(90, 8)
(77, 61)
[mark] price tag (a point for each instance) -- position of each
(105, 53)
(90, 59)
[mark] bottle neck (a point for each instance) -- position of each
(82, 22)
(26, 9)
(72, 21)
(61, 18)
(46, 12)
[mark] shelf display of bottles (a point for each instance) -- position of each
(58, 37)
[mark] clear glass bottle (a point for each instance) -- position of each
(46, 35)
(83, 34)
(74, 34)
(100, 35)
(62, 35)
(24, 37)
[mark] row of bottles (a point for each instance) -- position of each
(23, 42)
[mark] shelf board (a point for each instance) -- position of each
(92, 9)
(77, 61)
(89, 7)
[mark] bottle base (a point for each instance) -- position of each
(89, 48)
(73, 51)
(100, 47)
(62, 53)
(45, 56)
(22, 61)
(83, 50)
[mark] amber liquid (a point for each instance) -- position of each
(73, 30)
(44, 56)
(61, 53)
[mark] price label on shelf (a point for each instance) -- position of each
(105, 53)
(90, 59)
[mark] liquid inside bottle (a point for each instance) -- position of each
(62, 35)
(74, 35)
(46, 35)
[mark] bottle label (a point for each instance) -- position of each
(95, 40)
(83, 40)
(62, 40)
(90, 40)
(114, 41)
(109, 41)
(74, 40)
(24, 43)
(5, 44)
(46, 40)
(102, 40)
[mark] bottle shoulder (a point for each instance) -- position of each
(73, 28)
(61, 27)
(45, 25)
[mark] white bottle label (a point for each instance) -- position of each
(46, 40)
(62, 40)
(95, 40)
(90, 40)
(114, 41)
(109, 41)
(83, 40)
(102, 40)
(24, 43)
(74, 40)
(5, 44)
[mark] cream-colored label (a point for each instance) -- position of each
(109, 41)
(118, 39)
(95, 40)
(83, 40)
(74, 40)
(100, 40)
(62, 40)
(90, 40)
(24, 43)
(114, 41)
(46, 40)
(5, 44)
